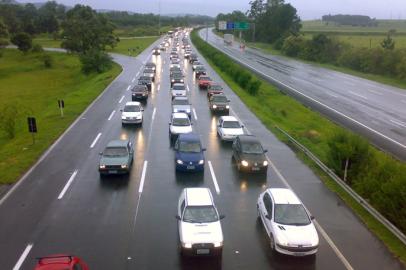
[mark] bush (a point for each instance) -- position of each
(23, 41)
(292, 46)
(95, 61)
(37, 48)
(48, 60)
(253, 87)
(8, 116)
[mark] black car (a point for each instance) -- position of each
(139, 92)
(199, 71)
(173, 70)
(219, 103)
(249, 155)
(145, 80)
(192, 58)
(176, 78)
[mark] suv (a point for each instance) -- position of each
(192, 58)
(150, 73)
(139, 92)
(151, 65)
(145, 80)
(117, 158)
(189, 153)
(249, 154)
(196, 64)
(199, 223)
(132, 113)
(181, 104)
(219, 103)
(178, 90)
(287, 223)
(199, 71)
(176, 77)
(180, 123)
(228, 128)
(60, 261)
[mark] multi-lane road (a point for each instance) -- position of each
(62, 205)
(371, 109)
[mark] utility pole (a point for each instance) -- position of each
(159, 18)
(207, 31)
(253, 32)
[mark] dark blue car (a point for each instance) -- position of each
(189, 153)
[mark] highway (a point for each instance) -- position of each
(62, 206)
(373, 110)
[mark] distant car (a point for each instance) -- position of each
(178, 90)
(145, 80)
(175, 61)
(219, 103)
(60, 261)
(181, 104)
(156, 51)
(117, 158)
(132, 113)
(151, 65)
(189, 153)
(173, 55)
(214, 89)
(179, 124)
(192, 58)
(195, 64)
(249, 155)
(200, 71)
(139, 92)
(177, 78)
(175, 65)
(199, 225)
(187, 53)
(228, 128)
(287, 223)
(204, 82)
(175, 69)
(149, 72)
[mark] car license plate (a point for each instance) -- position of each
(190, 167)
(202, 251)
(112, 171)
(255, 168)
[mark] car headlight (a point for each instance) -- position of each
(180, 162)
(175, 110)
(187, 245)
(102, 166)
(201, 162)
(123, 117)
(244, 163)
(188, 111)
(227, 106)
(124, 166)
(282, 241)
(214, 106)
(218, 244)
(265, 163)
(181, 80)
(172, 80)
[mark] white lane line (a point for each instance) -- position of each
(133, 80)
(23, 257)
(328, 93)
(111, 115)
(95, 140)
(138, 73)
(398, 123)
(144, 171)
(375, 92)
(241, 122)
(121, 99)
(314, 100)
(71, 178)
(159, 87)
(128, 88)
(358, 95)
(194, 113)
(153, 114)
(187, 88)
(213, 177)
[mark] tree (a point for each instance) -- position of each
(85, 30)
(3, 34)
(95, 60)
(388, 43)
(23, 41)
(47, 20)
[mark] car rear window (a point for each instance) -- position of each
(181, 122)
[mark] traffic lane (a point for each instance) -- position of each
(339, 221)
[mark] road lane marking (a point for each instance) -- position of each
(128, 88)
(71, 178)
(187, 88)
(138, 73)
(159, 86)
(398, 123)
(358, 95)
(95, 140)
(314, 100)
(111, 115)
(194, 113)
(213, 177)
(335, 96)
(153, 114)
(121, 100)
(375, 92)
(144, 171)
(241, 122)
(133, 79)
(23, 257)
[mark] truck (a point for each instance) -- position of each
(228, 39)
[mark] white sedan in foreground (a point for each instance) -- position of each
(228, 128)
(287, 223)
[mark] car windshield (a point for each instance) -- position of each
(152, 65)
(220, 99)
(291, 214)
(196, 63)
(178, 87)
(231, 124)
(177, 76)
(190, 147)
(115, 152)
(132, 108)
(181, 122)
(144, 78)
(200, 214)
(139, 89)
(180, 102)
(252, 148)
(148, 71)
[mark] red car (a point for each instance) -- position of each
(214, 89)
(204, 81)
(60, 262)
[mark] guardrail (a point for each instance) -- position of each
(348, 189)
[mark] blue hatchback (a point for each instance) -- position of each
(189, 153)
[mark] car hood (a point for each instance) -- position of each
(181, 107)
(201, 232)
(233, 131)
(113, 160)
(297, 235)
(189, 157)
(259, 158)
(131, 114)
(181, 129)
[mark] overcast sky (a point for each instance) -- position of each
(307, 9)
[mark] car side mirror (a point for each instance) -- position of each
(265, 151)
(101, 153)
(219, 125)
(228, 100)
(204, 149)
(267, 217)
(242, 126)
(222, 216)
(312, 217)
(121, 110)
(170, 123)
(177, 217)
(142, 110)
(191, 124)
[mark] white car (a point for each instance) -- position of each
(132, 113)
(180, 124)
(199, 224)
(178, 90)
(175, 65)
(228, 128)
(290, 228)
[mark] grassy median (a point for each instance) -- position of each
(28, 88)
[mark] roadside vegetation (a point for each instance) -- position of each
(376, 176)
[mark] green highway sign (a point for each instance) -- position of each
(241, 26)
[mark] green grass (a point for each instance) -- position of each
(312, 130)
(35, 90)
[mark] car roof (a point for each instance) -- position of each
(178, 84)
(283, 196)
(150, 64)
(198, 196)
(117, 143)
(180, 115)
(189, 137)
(132, 103)
(228, 118)
(180, 98)
(248, 138)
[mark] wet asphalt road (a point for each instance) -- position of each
(128, 222)
(374, 110)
